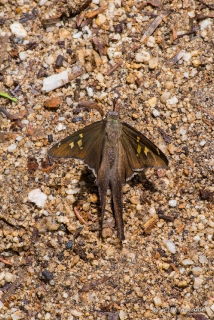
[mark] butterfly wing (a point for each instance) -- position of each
(84, 144)
(141, 152)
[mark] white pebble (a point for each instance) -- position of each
(42, 2)
(205, 23)
(173, 100)
(8, 277)
(76, 313)
(12, 147)
(142, 56)
(18, 29)
(156, 113)
(122, 315)
(55, 81)
(203, 142)
(187, 262)
(72, 191)
(197, 283)
(60, 127)
(157, 301)
(90, 91)
(172, 203)
(77, 35)
(100, 77)
(1, 305)
(202, 259)
(170, 246)
(187, 56)
(197, 271)
(38, 197)
(196, 238)
(23, 56)
(165, 96)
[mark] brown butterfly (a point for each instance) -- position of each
(114, 151)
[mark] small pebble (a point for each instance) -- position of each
(152, 102)
(157, 301)
(197, 271)
(197, 283)
(187, 262)
(164, 97)
(172, 203)
(18, 29)
(156, 113)
(202, 143)
(153, 63)
(107, 233)
(135, 200)
(170, 246)
(142, 56)
(76, 313)
(55, 81)
(38, 197)
(53, 102)
(12, 147)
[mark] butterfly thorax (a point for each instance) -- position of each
(113, 133)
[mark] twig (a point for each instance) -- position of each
(80, 218)
(117, 65)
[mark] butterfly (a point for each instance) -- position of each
(115, 152)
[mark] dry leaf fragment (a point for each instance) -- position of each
(154, 25)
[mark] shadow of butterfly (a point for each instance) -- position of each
(114, 151)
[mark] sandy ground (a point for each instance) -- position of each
(156, 59)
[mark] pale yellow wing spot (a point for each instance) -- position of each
(138, 149)
(146, 150)
(138, 139)
(158, 151)
(80, 144)
(71, 144)
(81, 135)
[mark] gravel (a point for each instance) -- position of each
(49, 211)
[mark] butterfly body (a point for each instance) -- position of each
(114, 151)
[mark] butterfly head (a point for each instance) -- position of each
(112, 115)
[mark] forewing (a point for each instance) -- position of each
(84, 144)
(141, 152)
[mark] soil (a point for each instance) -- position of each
(155, 58)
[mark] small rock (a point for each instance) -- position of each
(101, 19)
(202, 259)
(172, 203)
(38, 197)
(135, 200)
(203, 142)
(12, 147)
(107, 233)
(151, 42)
(173, 100)
(196, 63)
(170, 246)
(187, 262)
(92, 198)
(110, 251)
(197, 271)
(130, 78)
(55, 81)
(53, 102)
(142, 56)
(76, 313)
(18, 29)
(156, 113)
(122, 315)
(197, 283)
(60, 127)
(8, 277)
(205, 23)
(164, 97)
(152, 102)
(153, 63)
(157, 301)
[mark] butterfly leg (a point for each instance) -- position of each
(116, 189)
(102, 187)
